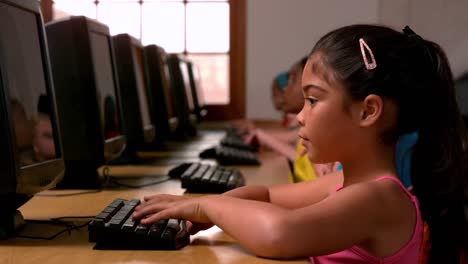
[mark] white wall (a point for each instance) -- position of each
(280, 32)
(442, 21)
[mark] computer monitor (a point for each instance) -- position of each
(160, 100)
(31, 155)
(172, 117)
(461, 86)
(197, 91)
(181, 92)
(137, 117)
(184, 70)
(88, 102)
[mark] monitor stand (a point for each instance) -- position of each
(128, 157)
(10, 222)
(80, 175)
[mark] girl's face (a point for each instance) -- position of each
(326, 128)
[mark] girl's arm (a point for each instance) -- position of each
(349, 217)
(291, 195)
(283, 147)
(288, 136)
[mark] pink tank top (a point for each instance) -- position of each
(354, 255)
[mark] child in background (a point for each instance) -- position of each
(278, 85)
(362, 83)
(284, 142)
(277, 89)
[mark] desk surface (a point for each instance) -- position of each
(210, 246)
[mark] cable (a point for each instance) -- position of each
(114, 181)
(109, 180)
(67, 194)
(69, 227)
(72, 217)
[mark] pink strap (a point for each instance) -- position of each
(411, 196)
(390, 178)
(396, 181)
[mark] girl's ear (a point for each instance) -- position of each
(371, 110)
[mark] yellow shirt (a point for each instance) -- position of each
(303, 168)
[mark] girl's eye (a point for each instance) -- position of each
(311, 100)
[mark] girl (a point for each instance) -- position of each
(364, 86)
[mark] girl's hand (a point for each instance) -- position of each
(170, 206)
(251, 137)
(244, 126)
(163, 198)
(324, 169)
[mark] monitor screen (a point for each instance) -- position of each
(24, 73)
(186, 82)
(30, 153)
(195, 71)
(105, 85)
(137, 54)
(461, 86)
(168, 90)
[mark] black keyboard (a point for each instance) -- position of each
(230, 156)
(235, 141)
(206, 178)
(114, 228)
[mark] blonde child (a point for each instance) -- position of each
(364, 86)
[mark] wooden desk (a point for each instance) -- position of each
(211, 246)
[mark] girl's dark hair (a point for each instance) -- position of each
(303, 61)
(413, 73)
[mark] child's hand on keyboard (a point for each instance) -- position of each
(166, 206)
(163, 198)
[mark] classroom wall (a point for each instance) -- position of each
(442, 21)
(280, 32)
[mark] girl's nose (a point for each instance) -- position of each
(300, 117)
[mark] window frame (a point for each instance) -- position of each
(235, 109)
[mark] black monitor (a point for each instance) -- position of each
(88, 103)
(137, 117)
(197, 91)
(461, 86)
(184, 70)
(30, 153)
(158, 87)
(172, 116)
(182, 96)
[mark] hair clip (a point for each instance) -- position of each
(369, 65)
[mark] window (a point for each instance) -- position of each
(211, 33)
(198, 29)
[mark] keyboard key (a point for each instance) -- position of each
(200, 172)
(129, 225)
(109, 211)
(172, 228)
(224, 178)
(157, 229)
(141, 229)
(216, 176)
(206, 177)
(190, 171)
